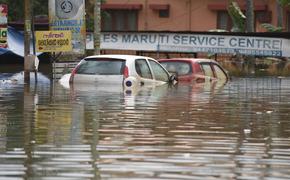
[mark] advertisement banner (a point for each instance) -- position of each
(192, 43)
(3, 26)
(53, 41)
(69, 15)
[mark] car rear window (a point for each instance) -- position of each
(102, 66)
(181, 68)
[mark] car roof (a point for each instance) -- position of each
(195, 60)
(119, 56)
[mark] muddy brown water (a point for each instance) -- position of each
(240, 130)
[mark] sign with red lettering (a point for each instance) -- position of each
(53, 41)
(3, 26)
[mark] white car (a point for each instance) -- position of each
(127, 70)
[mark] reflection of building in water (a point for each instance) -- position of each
(3, 130)
(258, 87)
(59, 123)
(59, 137)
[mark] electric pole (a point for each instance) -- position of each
(250, 15)
(27, 34)
(279, 13)
(97, 27)
(250, 60)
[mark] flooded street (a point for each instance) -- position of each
(237, 131)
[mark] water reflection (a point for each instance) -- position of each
(238, 130)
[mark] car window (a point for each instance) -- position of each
(220, 74)
(184, 68)
(207, 70)
(101, 67)
(181, 68)
(143, 69)
(159, 72)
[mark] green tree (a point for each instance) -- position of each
(271, 28)
(16, 8)
(281, 4)
(40, 7)
(90, 14)
(237, 16)
(239, 21)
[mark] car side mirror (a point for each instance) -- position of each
(173, 79)
(174, 73)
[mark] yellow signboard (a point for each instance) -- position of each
(53, 41)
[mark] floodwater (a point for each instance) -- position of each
(240, 130)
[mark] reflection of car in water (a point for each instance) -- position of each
(195, 70)
(127, 70)
(18, 78)
(111, 88)
(197, 91)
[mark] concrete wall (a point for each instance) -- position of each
(188, 15)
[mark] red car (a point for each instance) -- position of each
(195, 69)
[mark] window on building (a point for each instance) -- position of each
(120, 20)
(224, 20)
(263, 16)
(164, 13)
(288, 21)
(162, 9)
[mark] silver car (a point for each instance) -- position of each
(127, 70)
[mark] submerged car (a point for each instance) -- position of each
(195, 69)
(126, 70)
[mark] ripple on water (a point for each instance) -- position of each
(237, 131)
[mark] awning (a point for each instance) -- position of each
(224, 6)
(159, 6)
(122, 6)
(15, 41)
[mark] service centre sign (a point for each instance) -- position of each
(176, 42)
(53, 41)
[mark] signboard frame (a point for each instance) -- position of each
(69, 15)
(53, 41)
(194, 43)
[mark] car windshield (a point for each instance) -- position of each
(181, 68)
(101, 66)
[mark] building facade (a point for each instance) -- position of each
(183, 15)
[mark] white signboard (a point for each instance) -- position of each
(69, 15)
(177, 42)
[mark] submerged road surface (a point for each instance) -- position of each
(240, 130)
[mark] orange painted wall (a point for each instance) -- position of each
(185, 15)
